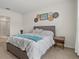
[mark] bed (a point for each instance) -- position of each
(22, 54)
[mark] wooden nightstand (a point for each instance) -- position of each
(59, 41)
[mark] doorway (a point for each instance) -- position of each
(4, 27)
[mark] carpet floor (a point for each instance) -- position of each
(52, 53)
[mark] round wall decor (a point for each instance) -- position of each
(36, 20)
(55, 14)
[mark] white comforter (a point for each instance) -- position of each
(34, 49)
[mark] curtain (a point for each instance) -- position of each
(77, 32)
(77, 42)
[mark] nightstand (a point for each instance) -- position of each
(59, 41)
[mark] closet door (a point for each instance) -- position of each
(0, 29)
(7, 28)
(4, 27)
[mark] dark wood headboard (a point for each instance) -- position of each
(50, 28)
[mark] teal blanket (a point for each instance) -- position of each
(30, 36)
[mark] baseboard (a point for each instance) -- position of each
(67, 46)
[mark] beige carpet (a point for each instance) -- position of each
(3, 40)
(53, 53)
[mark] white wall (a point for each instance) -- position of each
(65, 23)
(15, 20)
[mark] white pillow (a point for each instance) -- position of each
(37, 30)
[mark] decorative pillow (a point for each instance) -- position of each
(47, 33)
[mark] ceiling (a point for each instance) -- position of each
(23, 6)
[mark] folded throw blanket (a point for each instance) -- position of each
(30, 36)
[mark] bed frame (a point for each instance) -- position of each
(23, 54)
